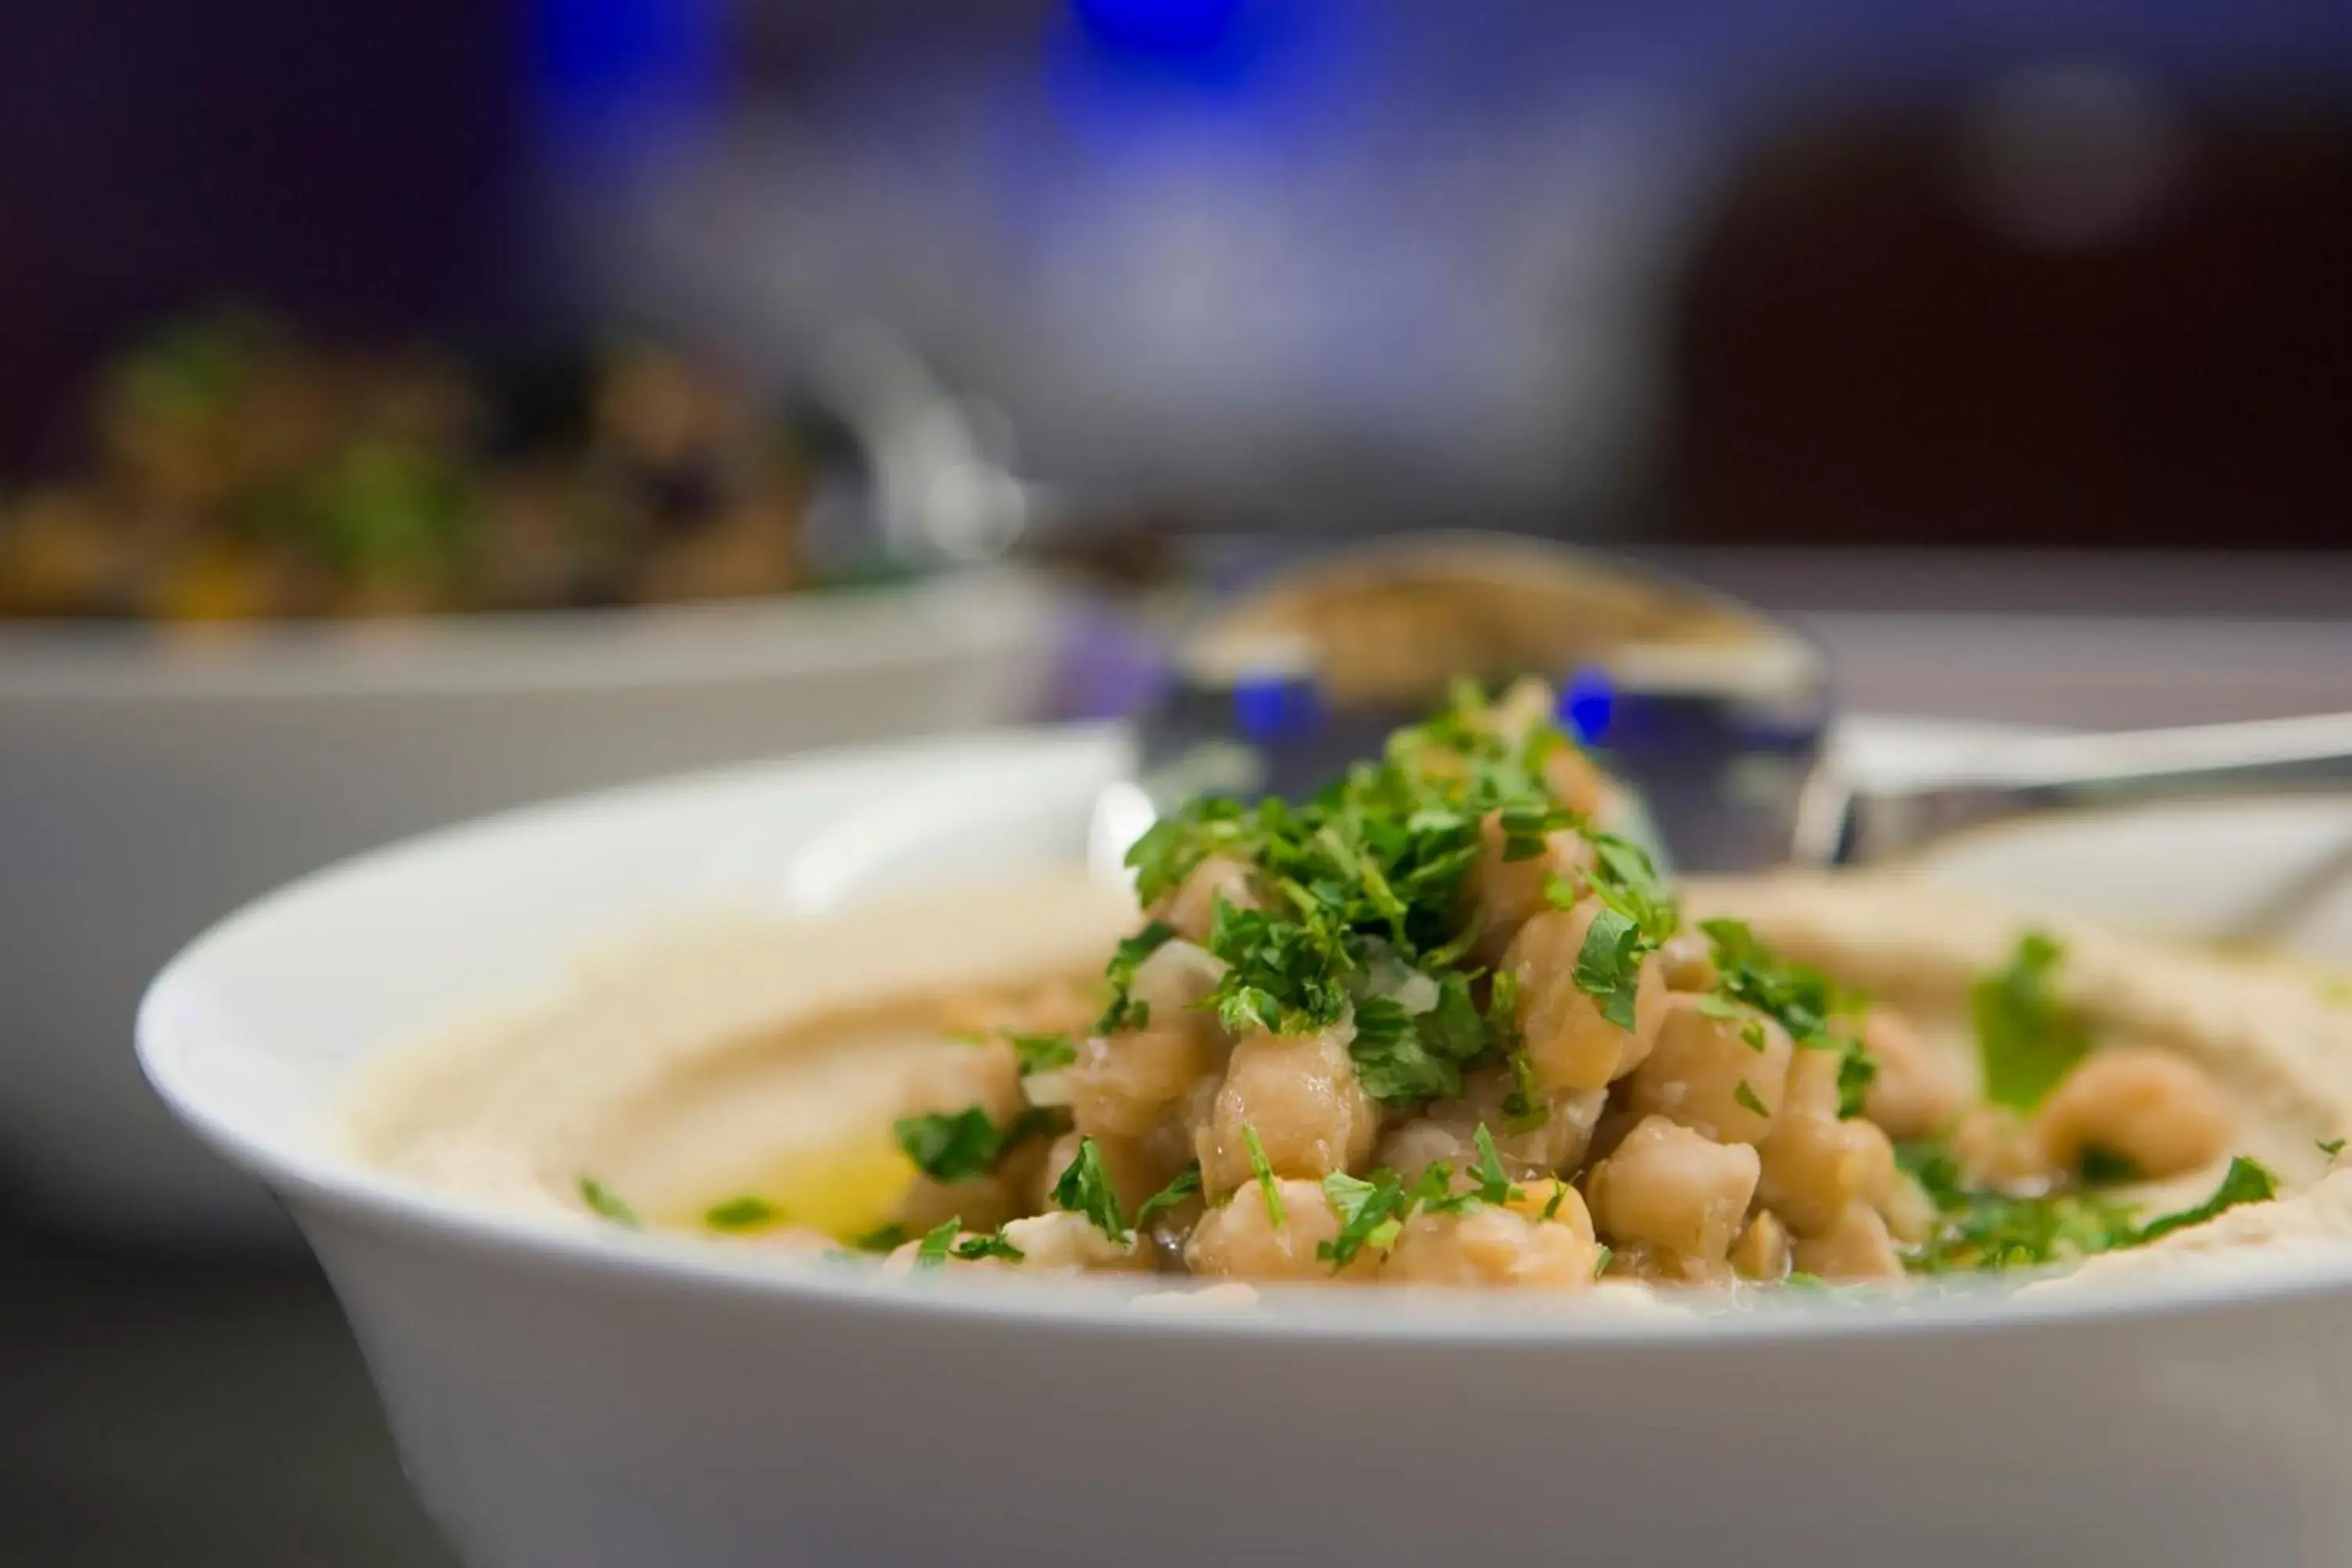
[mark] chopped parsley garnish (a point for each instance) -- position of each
(1524, 1107)
(1433, 1191)
(1266, 1183)
(957, 1146)
(937, 1243)
(1797, 997)
(1551, 1205)
(1608, 965)
(1494, 1182)
(1371, 1213)
(1187, 1185)
(1602, 1258)
(1981, 1228)
(2026, 1037)
(2247, 1181)
(1042, 1053)
(1086, 1189)
(949, 1146)
(946, 1240)
(1831, 1290)
(972, 1248)
(747, 1212)
(882, 1238)
(1393, 1059)
(1125, 1011)
(2331, 1147)
(1748, 1097)
(1381, 858)
(605, 1203)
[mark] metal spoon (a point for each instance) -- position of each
(1844, 820)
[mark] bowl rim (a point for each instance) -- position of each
(849, 626)
(339, 1184)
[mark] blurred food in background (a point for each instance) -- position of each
(232, 469)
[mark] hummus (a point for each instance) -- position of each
(747, 1055)
(1434, 1029)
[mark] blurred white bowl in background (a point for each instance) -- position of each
(601, 1399)
(150, 781)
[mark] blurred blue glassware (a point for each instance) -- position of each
(1713, 712)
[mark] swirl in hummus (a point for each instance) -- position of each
(1433, 1028)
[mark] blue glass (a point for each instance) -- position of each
(1275, 708)
(1588, 705)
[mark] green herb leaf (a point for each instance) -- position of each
(957, 1146)
(949, 1146)
(1981, 1229)
(1266, 1183)
(1602, 1258)
(2247, 1181)
(1494, 1182)
(1370, 1213)
(1524, 1106)
(2331, 1147)
(1433, 1191)
(1187, 1185)
(937, 1242)
(1395, 1065)
(1801, 999)
(971, 1248)
(1125, 1012)
(603, 1203)
(1748, 1097)
(747, 1212)
(1085, 1188)
(883, 1238)
(1042, 1053)
(2027, 1038)
(1608, 965)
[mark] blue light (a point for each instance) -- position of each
(1159, 27)
(1275, 708)
(1588, 703)
(602, 69)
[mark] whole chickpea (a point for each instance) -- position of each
(1670, 1187)
(2149, 1107)
(986, 1074)
(1687, 962)
(1122, 1085)
(1998, 1148)
(1762, 1250)
(983, 1202)
(1191, 909)
(1917, 1092)
(1856, 1246)
(1242, 1240)
(1506, 894)
(1448, 1130)
(1489, 1246)
(1724, 1076)
(1570, 1042)
(1814, 1164)
(1300, 1095)
(1060, 1241)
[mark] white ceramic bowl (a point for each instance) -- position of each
(148, 785)
(607, 1400)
